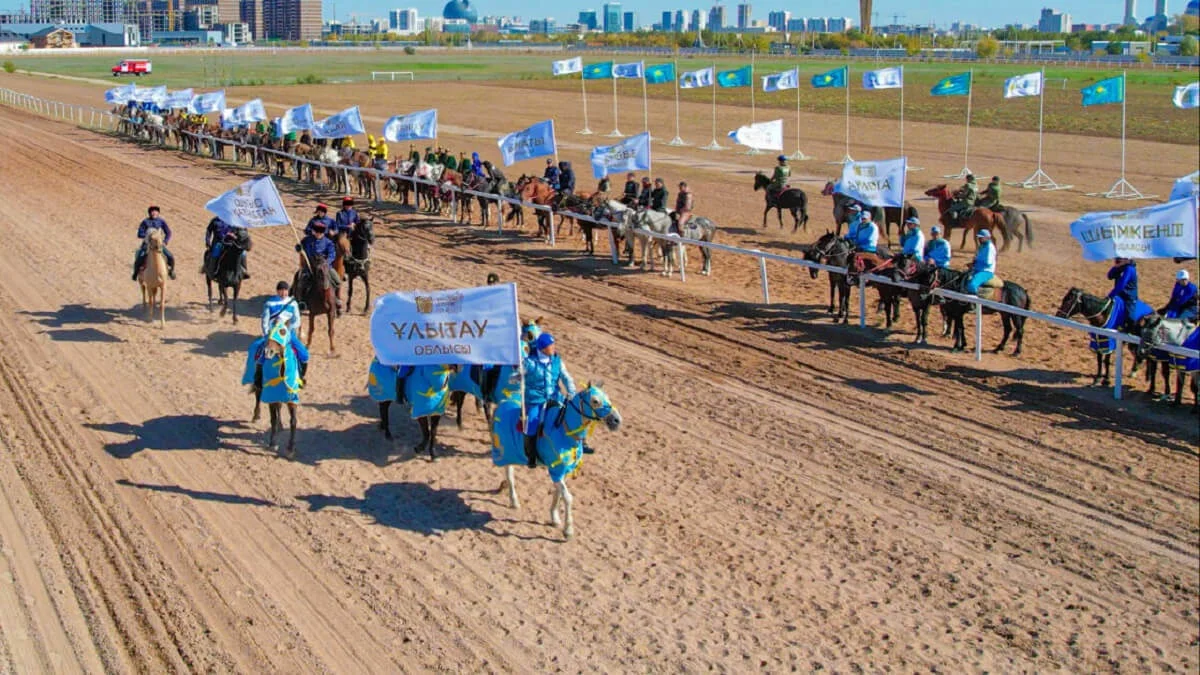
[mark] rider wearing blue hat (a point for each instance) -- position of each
(856, 214)
(937, 251)
(545, 373)
(912, 242)
(780, 177)
(866, 238)
(983, 268)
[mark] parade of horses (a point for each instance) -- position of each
(278, 399)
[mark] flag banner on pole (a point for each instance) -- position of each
(598, 71)
(467, 326)
(154, 95)
(255, 203)
(299, 118)
(833, 78)
(1187, 96)
(631, 154)
(788, 79)
(178, 99)
(243, 115)
(884, 78)
(536, 141)
(955, 85)
(760, 136)
(628, 71)
(421, 124)
(660, 74)
(1188, 186)
(696, 79)
(1023, 85)
(878, 183)
(346, 123)
(742, 77)
(1158, 231)
(213, 101)
(1111, 90)
(567, 66)
(120, 94)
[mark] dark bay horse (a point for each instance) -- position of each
(1010, 294)
(884, 216)
(792, 199)
(880, 264)
(834, 251)
(910, 269)
(318, 297)
(358, 261)
(1007, 222)
(1098, 312)
(227, 272)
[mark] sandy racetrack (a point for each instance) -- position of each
(786, 494)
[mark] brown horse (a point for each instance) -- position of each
(153, 278)
(535, 191)
(318, 297)
(1006, 222)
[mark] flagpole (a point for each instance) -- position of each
(907, 167)
(645, 103)
(586, 131)
(714, 145)
(677, 141)
(1040, 179)
(554, 137)
(1122, 189)
(967, 142)
(798, 155)
(846, 158)
(616, 132)
(752, 150)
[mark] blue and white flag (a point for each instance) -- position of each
(629, 71)
(120, 94)
(567, 66)
(788, 79)
(155, 95)
(631, 154)
(878, 183)
(244, 115)
(884, 78)
(1187, 96)
(761, 136)
(465, 326)
(695, 79)
(255, 203)
(178, 99)
(421, 124)
(1187, 186)
(299, 118)
(1023, 85)
(536, 141)
(1157, 231)
(346, 123)
(213, 101)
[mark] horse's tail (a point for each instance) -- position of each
(1028, 230)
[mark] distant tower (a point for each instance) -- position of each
(864, 15)
(1130, 13)
(1160, 8)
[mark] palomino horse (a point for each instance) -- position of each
(275, 369)
(425, 388)
(227, 272)
(358, 260)
(1007, 223)
(1110, 313)
(341, 247)
(1008, 293)
(1157, 332)
(153, 278)
(884, 217)
(559, 443)
(792, 199)
(318, 297)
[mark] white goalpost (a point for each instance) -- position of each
(392, 75)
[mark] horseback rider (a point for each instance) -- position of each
(316, 248)
(630, 194)
(983, 268)
(1184, 299)
(684, 203)
(964, 201)
(659, 196)
(779, 178)
(866, 238)
(320, 216)
(430, 157)
(856, 216)
(493, 173)
(1124, 275)
(566, 178)
(379, 153)
(281, 307)
(152, 221)
(414, 155)
(550, 175)
(937, 251)
(476, 165)
(345, 219)
(643, 200)
(546, 380)
(912, 242)
(990, 197)
(605, 185)
(216, 235)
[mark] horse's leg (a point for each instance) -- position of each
(511, 483)
(434, 421)
(162, 305)
(568, 503)
(208, 283)
(349, 291)
(257, 402)
(329, 317)
(456, 399)
(423, 423)
(366, 278)
(312, 325)
(273, 408)
(832, 286)
(1006, 321)
(1019, 325)
(1151, 377)
(291, 446)
(385, 419)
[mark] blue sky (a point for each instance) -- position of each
(940, 12)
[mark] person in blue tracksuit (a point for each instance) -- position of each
(321, 215)
(937, 250)
(547, 383)
(983, 268)
(1184, 297)
(153, 221)
(912, 242)
(856, 214)
(1124, 276)
(866, 239)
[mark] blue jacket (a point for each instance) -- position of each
(1183, 297)
(1125, 283)
(542, 380)
(343, 219)
(913, 243)
(867, 237)
(566, 178)
(330, 226)
(283, 309)
(937, 251)
(155, 224)
(985, 258)
(318, 248)
(852, 227)
(551, 175)
(216, 231)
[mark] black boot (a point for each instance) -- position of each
(531, 451)
(587, 450)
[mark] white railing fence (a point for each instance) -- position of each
(102, 119)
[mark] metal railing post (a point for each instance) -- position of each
(612, 246)
(1118, 381)
(762, 273)
(378, 188)
(978, 332)
(550, 217)
(862, 302)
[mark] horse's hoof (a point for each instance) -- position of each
(569, 533)
(257, 417)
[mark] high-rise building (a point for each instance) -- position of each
(587, 19)
(677, 22)
(1054, 21)
(612, 17)
(838, 24)
(698, 21)
(1130, 13)
(542, 26)
(743, 15)
(797, 25)
(716, 17)
(816, 25)
(292, 19)
(629, 22)
(779, 20)
(403, 21)
(251, 12)
(667, 26)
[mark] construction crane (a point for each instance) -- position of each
(896, 19)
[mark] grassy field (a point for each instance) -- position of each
(1151, 114)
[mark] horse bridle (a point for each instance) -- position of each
(1077, 299)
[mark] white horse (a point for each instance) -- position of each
(656, 222)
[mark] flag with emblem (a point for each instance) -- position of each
(628, 71)
(742, 77)
(255, 203)
(1023, 85)
(598, 71)
(832, 78)
(660, 74)
(567, 66)
(955, 85)
(788, 79)
(1187, 96)
(696, 78)
(1111, 90)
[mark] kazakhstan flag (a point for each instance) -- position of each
(1111, 90)
(735, 78)
(598, 71)
(955, 85)
(833, 78)
(660, 74)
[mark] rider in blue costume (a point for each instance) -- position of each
(215, 236)
(566, 178)
(912, 242)
(983, 268)
(544, 374)
(345, 219)
(1125, 286)
(1183, 302)
(866, 238)
(153, 222)
(937, 251)
(321, 215)
(856, 215)
(551, 174)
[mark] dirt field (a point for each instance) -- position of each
(786, 494)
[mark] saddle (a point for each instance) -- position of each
(992, 289)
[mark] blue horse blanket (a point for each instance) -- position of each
(508, 378)
(427, 388)
(281, 381)
(1184, 363)
(1117, 318)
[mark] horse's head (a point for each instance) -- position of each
(827, 191)
(1153, 334)
(1072, 303)
(278, 338)
(761, 181)
(594, 404)
(154, 240)
(531, 329)
(940, 192)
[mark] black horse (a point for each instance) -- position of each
(910, 269)
(1098, 311)
(1011, 294)
(792, 199)
(358, 261)
(832, 250)
(227, 271)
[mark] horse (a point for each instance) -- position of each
(358, 260)
(1110, 313)
(341, 248)
(485, 384)
(873, 263)
(537, 192)
(275, 369)
(834, 251)
(1158, 331)
(227, 272)
(792, 199)
(883, 216)
(697, 228)
(1006, 222)
(153, 278)
(559, 443)
(425, 388)
(318, 297)
(1005, 292)
(920, 298)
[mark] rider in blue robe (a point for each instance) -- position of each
(1125, 286)
(1183, 302)
(983, 268)
(546, 378)
(152, 221)
(912, 242)
(937, 250)
(866, 238)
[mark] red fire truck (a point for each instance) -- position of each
(136, 67)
